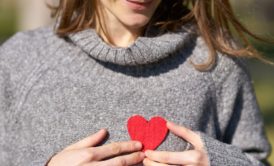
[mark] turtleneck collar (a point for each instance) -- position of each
(150, 48)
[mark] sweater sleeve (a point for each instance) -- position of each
(4, 105)
(243, 141)
(10, 59)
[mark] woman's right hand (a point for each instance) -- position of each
(86, 153)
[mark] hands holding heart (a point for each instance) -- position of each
(89, 152)
(152, 133)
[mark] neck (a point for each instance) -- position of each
(115, 33)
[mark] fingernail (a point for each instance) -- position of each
(170, 123)
(147, 152)
(138, 145)
(103, 130)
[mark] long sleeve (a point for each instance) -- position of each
(7, 95)
(4, 106)
(243, 141)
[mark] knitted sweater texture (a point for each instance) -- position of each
(55, 91)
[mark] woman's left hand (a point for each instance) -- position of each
(195, 157)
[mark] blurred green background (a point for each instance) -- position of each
(257, 15)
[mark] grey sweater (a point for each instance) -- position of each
(55, 91)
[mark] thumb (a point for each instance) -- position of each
(89, 141)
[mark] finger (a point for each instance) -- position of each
(185, 133)
(89, 141)
(114, 149)
(148, 162)
(181, 158)
(126, 160)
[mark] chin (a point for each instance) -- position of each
(136, 21)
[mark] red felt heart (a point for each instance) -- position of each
(150, 133)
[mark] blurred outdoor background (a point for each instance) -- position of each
(257, 15)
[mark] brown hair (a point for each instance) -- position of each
(214, 18)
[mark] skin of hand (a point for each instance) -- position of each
(195, 157)
(86, 153)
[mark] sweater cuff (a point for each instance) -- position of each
(47, 163)
(220, 153)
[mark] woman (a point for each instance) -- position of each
(108, 60)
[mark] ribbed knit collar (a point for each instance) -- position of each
(150, 48)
